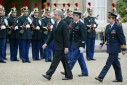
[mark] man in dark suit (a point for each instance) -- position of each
(116, 42)
(61, 39)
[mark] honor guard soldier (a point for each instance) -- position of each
(3, 33)
(91, 34)
(69, 21)
(77, 39)
(47, 25)
(116, 43)
(13, 33)
(114, 10)
(69, 18)
(24, 34)
(42, 34)
(36, 33)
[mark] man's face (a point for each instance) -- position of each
(56, 16)
(36, 14)
(25, 13)
(48, 13)
(76, 17)
(70, 13)
(90, 13)
(14, 14)
(1, 12)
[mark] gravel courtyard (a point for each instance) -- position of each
(18, 73)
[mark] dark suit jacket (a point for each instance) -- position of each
(115, 39)
(60, 36)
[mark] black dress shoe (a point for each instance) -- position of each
(99, 79)
(23, 61)
(16, 60)
(28, 61)
(5, 58)
(47, 77)
(88, 59)
(2, 61)
(93, 59)
(67, 78)
(117, 81)
(63, 73)
(48, 61)
(82, 75)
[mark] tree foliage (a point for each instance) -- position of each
(122, 9)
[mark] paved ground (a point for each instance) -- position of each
(17, 73)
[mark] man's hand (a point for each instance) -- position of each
(100, 46)
(81, 49)
(44, 46)
(124, 52)
(66, 50)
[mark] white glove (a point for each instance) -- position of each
(16, 27)
(51, 27)
(53, 22)
(30, 21)
(81, 49)
(38, 28)
(27, 26)
(39, 22)
(6, 22)
(3, 27)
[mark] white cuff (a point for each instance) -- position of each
(27, 26)
(51, 27)
(16, 27)
(3, 27)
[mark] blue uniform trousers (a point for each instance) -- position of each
(36, 47)
(2, 48)
(13, 49)
(112, 60)
(24, 49)
(41, 50)
(76, 55)
(48, 52)
(90, 44)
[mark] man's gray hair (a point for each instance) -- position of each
(59, 12)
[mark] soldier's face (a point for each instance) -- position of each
(36, 14)
(1, 12)
(90, 12)
(48, 13)
(14, 14)
(26, 13)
